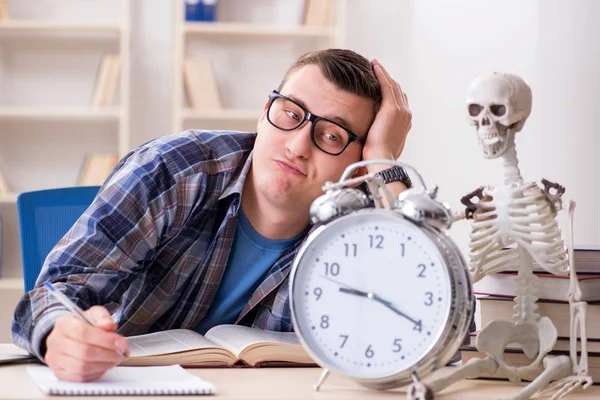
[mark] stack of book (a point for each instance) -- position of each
(496, 294)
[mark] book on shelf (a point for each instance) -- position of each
(221, 346)
(4, 189)
(317, 12)
(107, 81)
(201, 10)
(549, 287)
(3, 11)
(492, 308)
(563, 344)
(200, 84)
(518, 358)
(96, 168)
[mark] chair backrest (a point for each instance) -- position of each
(44, 218)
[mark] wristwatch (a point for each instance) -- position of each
(395, 174)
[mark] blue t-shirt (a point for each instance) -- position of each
(250, 258)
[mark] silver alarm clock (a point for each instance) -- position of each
(381, 295)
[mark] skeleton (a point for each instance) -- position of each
(514, 226)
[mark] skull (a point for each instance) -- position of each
(498, 106)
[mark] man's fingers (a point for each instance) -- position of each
(101, 317)
(78, 330)
(404, 97)
(88, 352)
(389, 87)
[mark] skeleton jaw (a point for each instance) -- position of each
(493, 140)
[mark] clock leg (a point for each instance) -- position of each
(322, 378)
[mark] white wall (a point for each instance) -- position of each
(436, 48)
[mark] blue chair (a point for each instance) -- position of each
(44, 218)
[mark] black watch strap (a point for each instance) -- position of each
(395, 174)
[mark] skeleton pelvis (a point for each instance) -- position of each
(536, 340)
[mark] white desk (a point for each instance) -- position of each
(276, 383)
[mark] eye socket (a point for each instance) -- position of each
(475, 110)
(498, 110)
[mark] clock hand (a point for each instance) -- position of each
(394, 309)
(344, 288)
(375, 297)
(355, 292)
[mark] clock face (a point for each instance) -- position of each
(370, 295)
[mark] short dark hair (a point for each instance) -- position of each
(346, 69)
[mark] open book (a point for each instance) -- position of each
(223, 345)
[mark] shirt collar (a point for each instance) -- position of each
(236, 184)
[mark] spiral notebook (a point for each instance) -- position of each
(169, 380)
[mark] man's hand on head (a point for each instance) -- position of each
(392, 123)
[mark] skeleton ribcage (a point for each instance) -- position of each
(508, 217)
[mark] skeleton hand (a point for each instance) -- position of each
(418, 391)
(392, 123)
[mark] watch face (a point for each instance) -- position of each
(370, 294)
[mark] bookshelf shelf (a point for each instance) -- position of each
(11, 284)
(41, 25)
(8, 198)
(242, 29)
(223, 114)
(59, 113)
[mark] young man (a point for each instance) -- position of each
(200, 229)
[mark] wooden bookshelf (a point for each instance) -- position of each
(242, 29)
(220, 114)
(118, 31)
(8, 198)
(41, 25)
(11, 284)
(59, 113)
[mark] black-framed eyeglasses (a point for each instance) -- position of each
(328, 136)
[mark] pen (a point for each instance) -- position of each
(65, 301)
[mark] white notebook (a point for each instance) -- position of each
(169, 380)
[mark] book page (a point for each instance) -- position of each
(236, 338)
(172, 341)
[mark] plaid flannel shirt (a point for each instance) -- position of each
(153, 245)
